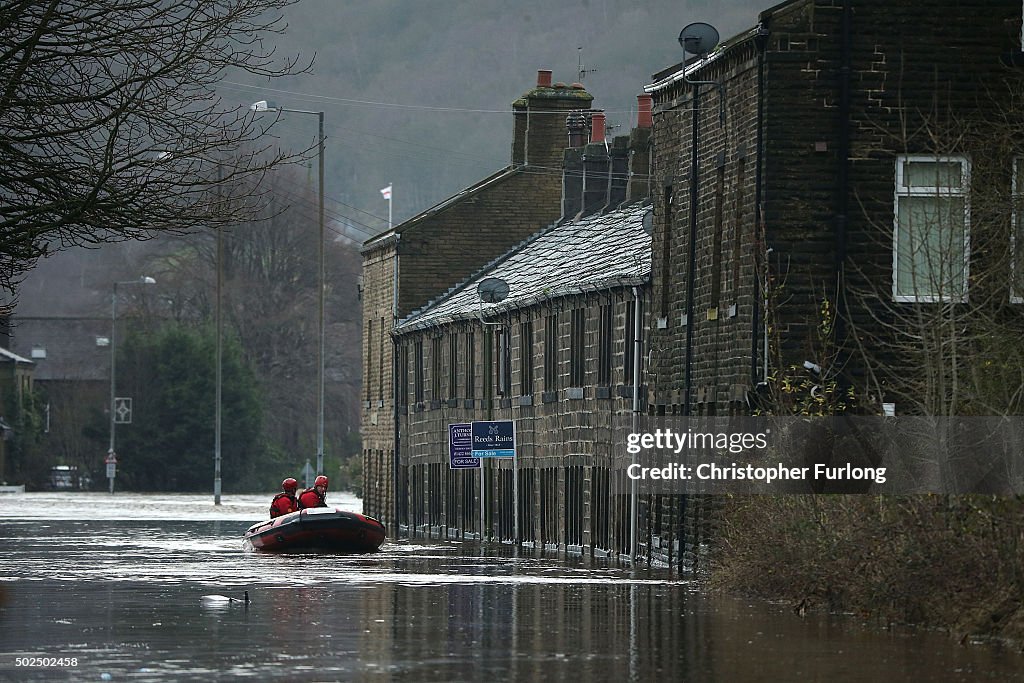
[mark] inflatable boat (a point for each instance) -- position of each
(317, 529)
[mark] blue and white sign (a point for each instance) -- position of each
(460, 447)
(494, 439)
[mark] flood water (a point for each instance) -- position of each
(113, 586)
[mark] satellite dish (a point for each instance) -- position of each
(699, 38)
(649, 222)
(492, 290)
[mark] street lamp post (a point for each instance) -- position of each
(220, 372)
(263, 106)
(111, 453)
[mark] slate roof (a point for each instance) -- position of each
(6, 355)
(594, 253)
(70, 343)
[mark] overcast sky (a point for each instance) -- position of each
(417, 94)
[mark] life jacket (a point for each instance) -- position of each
(311, 498)
(282, 504)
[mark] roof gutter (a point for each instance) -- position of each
(693, 67)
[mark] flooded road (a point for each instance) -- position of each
(96, 592)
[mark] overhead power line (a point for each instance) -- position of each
(309, 97)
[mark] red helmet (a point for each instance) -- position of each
(289, 484)
(320, 481)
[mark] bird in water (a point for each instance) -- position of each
(223, 599)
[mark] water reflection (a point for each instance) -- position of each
(124, 596)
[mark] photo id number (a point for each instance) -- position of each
(46, 661)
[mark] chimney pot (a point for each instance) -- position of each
(576, 122)
(544, 78)
(645, 117)
(577, 86)
(597, 127)
(560, 85)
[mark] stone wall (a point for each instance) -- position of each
(916, 80)
(565, 441)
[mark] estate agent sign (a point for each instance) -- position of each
(460, 447)
(494, 439)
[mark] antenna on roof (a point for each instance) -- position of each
(580, 69)
(491, 290)
(700, 39)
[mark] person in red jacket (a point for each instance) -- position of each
(315, 497)
(285, 501)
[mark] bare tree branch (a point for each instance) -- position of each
(109, 125)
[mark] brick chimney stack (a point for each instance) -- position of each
(645, 117)
(539, 121)
(576, 123)
(597, 127)
(639, 186)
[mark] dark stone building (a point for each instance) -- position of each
(824, 170)
(556, 356)
(432, 252)
(72, 374)
(16, 374)
(424, 264)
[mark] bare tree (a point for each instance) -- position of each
(109, 125)
(269, 297)
(942, 336)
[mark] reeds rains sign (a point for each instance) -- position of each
(494, 439)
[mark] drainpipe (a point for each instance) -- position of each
(691, 275)
(842, 176)
(761, 41)
(526, 137)
(634, 486)
(395, 385)
(394, 284)
(691, 279)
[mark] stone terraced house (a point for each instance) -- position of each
(557, 357)
(840, 166)
(554, 175)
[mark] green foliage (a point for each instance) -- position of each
(26, 463)
(170, 444)
(795, 391)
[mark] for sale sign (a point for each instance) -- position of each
(494, 439)
(460, 447)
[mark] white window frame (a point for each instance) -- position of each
(1016, 228)
(901, 190)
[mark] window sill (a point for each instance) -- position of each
(928, 299)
